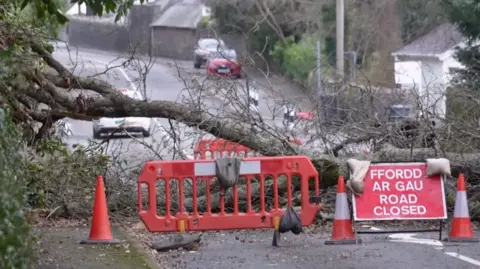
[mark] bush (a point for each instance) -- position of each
(15, 241)
(296, 60)
(62, 179)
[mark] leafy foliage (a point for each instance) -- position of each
(466, 15)
(418, 17)
(69, 183)
(52, 9)
(15, 242)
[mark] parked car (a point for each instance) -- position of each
(203, 48)
(224, 63)
(121, 125)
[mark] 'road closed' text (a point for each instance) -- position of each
(392, 211)
(400, 191)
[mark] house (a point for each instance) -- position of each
(424, 66)
(174, 34)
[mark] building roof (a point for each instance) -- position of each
(435, 42)
(181, 15)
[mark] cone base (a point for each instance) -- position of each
(461, 240)
(343, 242)
(100, 242)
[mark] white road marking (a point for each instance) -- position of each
(436, 244)
(463, 258)
(127, 78)
(408, 238)
(165, 134)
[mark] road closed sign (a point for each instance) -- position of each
(400, 191)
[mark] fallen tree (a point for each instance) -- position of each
(40, 79)
(459, 163)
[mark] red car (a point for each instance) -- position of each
(224, 63)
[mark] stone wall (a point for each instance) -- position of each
(135, 33)
(97, 33)
(179, 43)
(104, 34)
(174, 43)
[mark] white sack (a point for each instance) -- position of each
(440, 166)
(358, 171)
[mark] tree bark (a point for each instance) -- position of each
(51, 87)
(187, 242)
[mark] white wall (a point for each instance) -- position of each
(433, 87)
(408, 74)
(426, 79)
(74, 10)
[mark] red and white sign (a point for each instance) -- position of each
(400, 191)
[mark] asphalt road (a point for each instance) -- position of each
(166, 81)
(249, 249)
(253, 250)
(161, 84)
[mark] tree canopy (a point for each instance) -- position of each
(466, 15)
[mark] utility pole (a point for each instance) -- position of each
(340, 20)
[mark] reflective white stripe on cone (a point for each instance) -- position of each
(461, 205)
(341, 207)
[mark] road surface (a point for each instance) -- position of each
(253, 250)
(162, 83)
(165, 82)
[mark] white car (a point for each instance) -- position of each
(121, 125)
(204, 48)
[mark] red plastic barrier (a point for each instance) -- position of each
(199, 176)
(217, 148)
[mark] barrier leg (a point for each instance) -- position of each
(276, 233)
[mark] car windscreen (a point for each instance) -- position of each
(229, 54)
(210, 43)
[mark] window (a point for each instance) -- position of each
(453, 70)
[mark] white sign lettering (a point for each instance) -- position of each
(384, 186)
(394, 199)
(395, 173)
(391, 211)
(416, 185)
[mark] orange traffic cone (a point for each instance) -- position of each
(342, 232)
(461, 228)
(100, 232)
